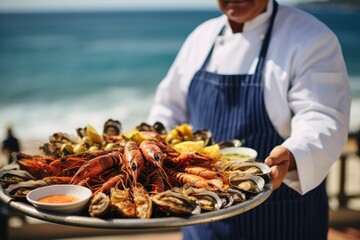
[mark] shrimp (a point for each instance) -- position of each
(97, 165)
(203, 172)
(37, 167)
(134, 160)
(157, 183)
(168, 150)
(153, 154)
(57, 180)
(112, 182)
(194, 180)
(191, 157)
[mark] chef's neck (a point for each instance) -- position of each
(236, 27)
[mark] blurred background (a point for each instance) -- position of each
(66, 64)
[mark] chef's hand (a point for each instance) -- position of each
(281, 160)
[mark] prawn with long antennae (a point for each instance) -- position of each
(97, 165)
(153, 154)
(134, 160)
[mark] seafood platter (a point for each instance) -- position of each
(146, 178)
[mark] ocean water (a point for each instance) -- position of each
(61, 71)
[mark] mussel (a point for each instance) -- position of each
(157, 127)
(231, 143)
(203, 135)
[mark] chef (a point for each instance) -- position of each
(274, 76)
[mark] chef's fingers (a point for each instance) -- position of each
(278, 160)
(278, 173)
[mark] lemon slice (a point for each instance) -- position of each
(197, 146)
(93, 134)
(180, 133)
(135, 136)
(212, 151)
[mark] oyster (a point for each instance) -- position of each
(56, 142)
(208, 200)
(176, 203)
(255, 168)
(19, 190)
(231, 196)
(14, 176)
(247, 182)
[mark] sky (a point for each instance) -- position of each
(56, 5)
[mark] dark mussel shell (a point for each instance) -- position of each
(231, 143)
(157, 127)
(204, 135)
(160, 128)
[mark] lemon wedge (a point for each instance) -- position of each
(212, 151)
(197, 146)
(93, 134)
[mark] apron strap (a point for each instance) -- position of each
(203, 67)
(264, 47)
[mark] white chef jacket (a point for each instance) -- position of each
(306, 88)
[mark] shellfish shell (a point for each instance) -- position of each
(255, 168)
(247, 182)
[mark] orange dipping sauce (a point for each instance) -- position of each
(58, 199)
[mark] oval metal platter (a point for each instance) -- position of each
(133, 224)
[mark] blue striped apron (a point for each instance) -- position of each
(232, 107)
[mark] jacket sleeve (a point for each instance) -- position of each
(320, 99)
